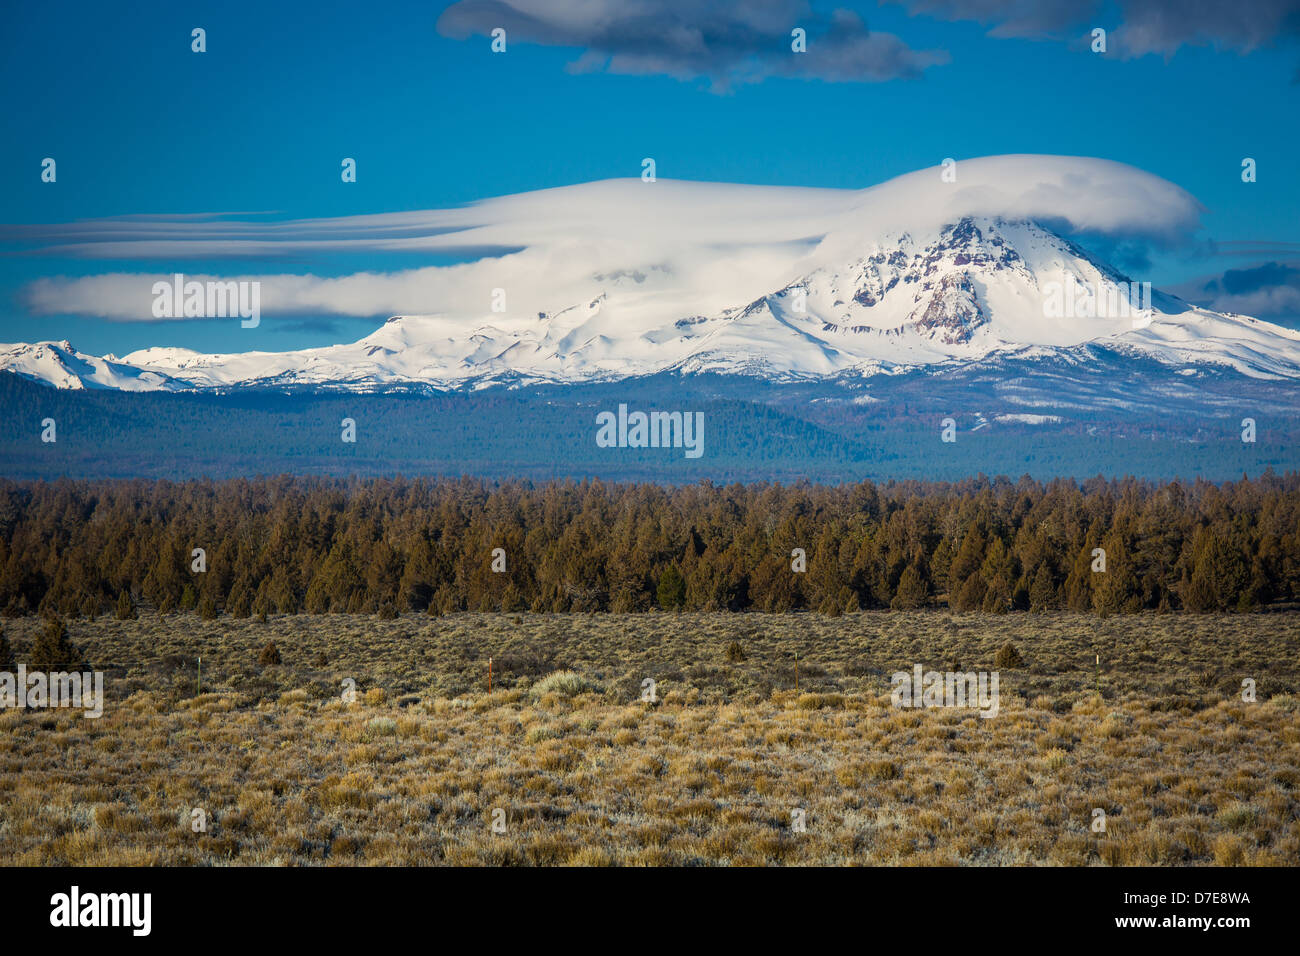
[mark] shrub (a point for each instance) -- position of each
(270, 655)
(542, 732)
(1283, 702)
(1238, 816)
(830, 608)
(53, 650)
(1116, 725)
(860, 667)
(1055, 759)
(387, 611)
(125, 609)
(819, 701)
(6, 654)
(530, 662)
(381, 727)
(735, 653)
(562, 684)
(319, 690)
(882, 770)
(239, 604)
(672, 588)
(1008, 657)
(1229, 850)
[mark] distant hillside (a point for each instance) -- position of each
(752, 431)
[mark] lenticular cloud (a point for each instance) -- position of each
(690, 238)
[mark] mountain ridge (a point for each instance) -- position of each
(975, 288)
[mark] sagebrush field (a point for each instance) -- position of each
(285, 771)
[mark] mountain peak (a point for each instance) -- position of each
(963, 291)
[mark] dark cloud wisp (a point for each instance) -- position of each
(727, 43)
(1141, 27)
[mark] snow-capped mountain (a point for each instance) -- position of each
(974, 288)
(621, 278)
(61, 365)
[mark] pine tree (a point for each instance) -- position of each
(1220, 576)
(1225, 570)
(970, 556)
(1117, 589)
(125, 609)
(999, 575)
(913, 590)
(672, 588)
(1198, 594)
(966, 586)
(1079, 583)
(970, 596)
(940, 564)
(328, 546)
(54, 650)
(6, 655)
(1042, 593)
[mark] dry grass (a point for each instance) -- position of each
(288, 772)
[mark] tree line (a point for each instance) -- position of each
(287, 545)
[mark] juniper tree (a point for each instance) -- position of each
(1042, 592)
(913, 590)
(672, 588)
(125, 608)
(323, 545)
(54, 650)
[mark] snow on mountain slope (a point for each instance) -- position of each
(60, 365)
(1250, 346)
(974, 288)
(622, 278)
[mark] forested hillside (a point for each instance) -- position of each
(753, 431)
(289, 545)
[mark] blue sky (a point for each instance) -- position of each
(256, 126)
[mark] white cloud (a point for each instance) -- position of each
(671, 242)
